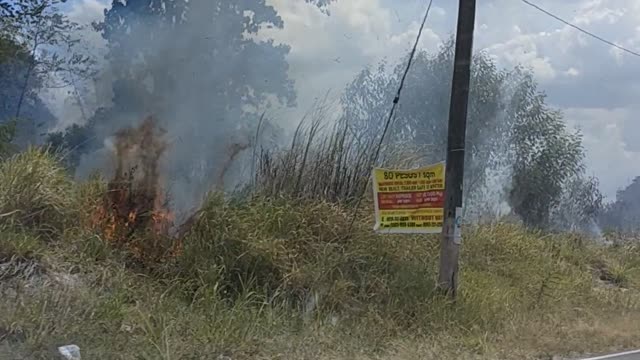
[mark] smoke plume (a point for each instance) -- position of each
(198, 69)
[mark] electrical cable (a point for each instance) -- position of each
(597, 37)
(392, 112)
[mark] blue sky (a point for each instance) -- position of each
(596, 87)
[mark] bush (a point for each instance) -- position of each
(35, 192)
(298, 250)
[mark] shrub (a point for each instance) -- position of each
(297, 249)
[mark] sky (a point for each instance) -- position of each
(593, 84)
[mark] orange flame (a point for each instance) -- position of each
(134, 213)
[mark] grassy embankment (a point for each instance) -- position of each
(278, 277)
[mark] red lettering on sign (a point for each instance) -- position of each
(411, 200)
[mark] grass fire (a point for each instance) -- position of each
(134, 212)
(178, 182)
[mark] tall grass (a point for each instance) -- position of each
(35, 191)
(290, 251)
(329, 162)
(293, 252)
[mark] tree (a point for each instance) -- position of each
(15, 60)
(71, 143)
(201, 47)
(48, 35)
(424, 106)
(199, 67)
(545, 156)
(579, 206)
(510, 128)
(46, 56)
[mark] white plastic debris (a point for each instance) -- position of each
(70, 352)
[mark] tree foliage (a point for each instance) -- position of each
(71, 143)
(546, 156)
(39, 49)
(579, 206)
(15, 60)
(50, 38)
(510, 128)
(424, 108)
(200, 47)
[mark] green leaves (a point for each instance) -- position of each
(545, 157)
(41, 28)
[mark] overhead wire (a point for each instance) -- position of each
(591, 34)
(394, 107)
(396, 99)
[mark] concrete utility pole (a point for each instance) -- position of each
(451, 235)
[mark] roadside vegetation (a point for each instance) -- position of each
(285, 266)
(279, 276)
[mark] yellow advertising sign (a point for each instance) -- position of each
(409, 201)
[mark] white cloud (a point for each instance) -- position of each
(328, 51)
(87, 11)
(596, 85)
(609, 156)
(572, 72)
(403, 41)
(523, 50)
(597, 11)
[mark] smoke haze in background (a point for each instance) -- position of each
(202, 78)
(327, 51)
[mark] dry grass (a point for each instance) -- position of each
(328, 164)
(287, 277)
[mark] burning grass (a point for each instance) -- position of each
(134, 213)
